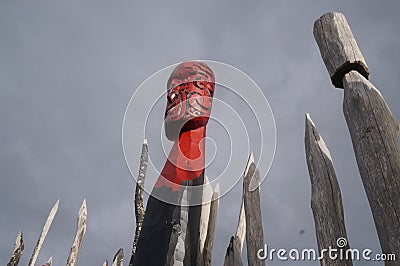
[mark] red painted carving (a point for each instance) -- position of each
(190, 90)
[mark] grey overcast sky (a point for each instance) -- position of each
(68, 69)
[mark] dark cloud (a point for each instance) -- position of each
(69, 68)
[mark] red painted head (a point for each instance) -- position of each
(190, 90)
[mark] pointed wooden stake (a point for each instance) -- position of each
(241, 227)
(105, 263)
(233, 253)
(254, 228)
(49, 262)
(80, 233)
(205, 215)
(18, 249)
(326, 199)
(139, 206)
(43, 235)
(233, 256)
(119, 258)
(212, 221)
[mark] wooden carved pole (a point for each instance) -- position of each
(373, 129)
(190, 90)
(326, 199)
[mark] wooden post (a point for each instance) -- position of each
(212, 221)
(233, 253)
(49, 262)
(233, 256)
(80, 233)
(105, 263)
(373, 131)
(204, 216)
(18, 249)
(178, 245)
(43, 234)
(119, 258)
(254, 228)
(139, 206)
(241, 227)
(338, 48)
(326, 199)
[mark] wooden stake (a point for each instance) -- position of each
(49, 262)
(254, 228)
(43, 235)
(338, 48)
(80, 233)
(205, 215)
(119, 258)
(373, 131)
(326, 199)
(212, 221)
(233, 253)
(241, 227)
(18, 249)
(139, 206)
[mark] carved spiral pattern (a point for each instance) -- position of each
(190, 90)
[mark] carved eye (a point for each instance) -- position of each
(173, 96)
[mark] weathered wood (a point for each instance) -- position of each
(43, 234)
(49, 262)
(326, 199)
(338, 48)
(105, 263)
(212, 221)
(139, 206)
(235, 247)
(241, 227)
(373, 131)
(178, 241)
(161, 222)
(80, 233)
(119, 258)
(254, 229)
(18, 250)
(205, 214)
(233, 253)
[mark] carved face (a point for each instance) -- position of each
(190, 90)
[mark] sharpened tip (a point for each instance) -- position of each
(249, 162)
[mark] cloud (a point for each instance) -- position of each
(68, 70)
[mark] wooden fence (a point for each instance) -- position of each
(373, 131)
